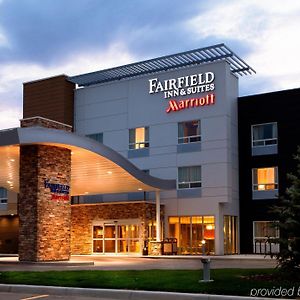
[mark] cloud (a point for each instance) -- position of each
(265, 31)
(45, 38)
(3, 38)
(12, 75)
(10, 116)
(47, 31)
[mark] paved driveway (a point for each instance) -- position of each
(138, 263)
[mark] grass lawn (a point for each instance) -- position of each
(226, 281)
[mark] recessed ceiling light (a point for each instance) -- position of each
(12, 159)
(140, 189)
(9, 182)
(86, 192)
(109, 172)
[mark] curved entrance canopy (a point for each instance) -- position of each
(95, 168)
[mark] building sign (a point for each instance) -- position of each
(58, 191)
(193, 102)
(183, 87)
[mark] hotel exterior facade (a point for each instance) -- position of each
(187, 144)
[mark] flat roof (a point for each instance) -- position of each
(193, 57)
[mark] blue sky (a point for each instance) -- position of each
(44, 38)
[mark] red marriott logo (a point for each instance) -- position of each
(188, 103)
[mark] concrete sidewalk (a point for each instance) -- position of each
(114, 294)
(98, 262)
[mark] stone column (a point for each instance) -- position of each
(44, 203)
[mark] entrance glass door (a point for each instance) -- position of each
(98, 239)
(128, 239)
(109, 238)
(116, 238)
(122, 238)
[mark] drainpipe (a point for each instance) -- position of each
(158, 229)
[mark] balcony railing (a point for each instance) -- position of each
(189, 139)
(264, 142)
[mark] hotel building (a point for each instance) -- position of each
(159, 150)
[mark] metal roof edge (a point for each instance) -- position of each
(168, 62)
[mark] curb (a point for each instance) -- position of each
(242, 258)
(57, 263)
(115, 294)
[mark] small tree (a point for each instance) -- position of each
(287, 214)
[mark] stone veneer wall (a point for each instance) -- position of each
(43, 122)
(83, 216)
(155, 248)
(44, 232)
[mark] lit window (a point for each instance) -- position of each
(191, 231)
(189, 132)
(96, 136)
(189, 177)
(139, 138)
(264, 134)
(265, 179)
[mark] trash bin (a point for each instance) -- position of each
(169, 246)
(145, 248)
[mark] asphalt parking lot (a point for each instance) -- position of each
(22, 296)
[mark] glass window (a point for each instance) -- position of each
(3, 195)
(230, 235)
(96, 136)
(139, 138)
(151, 230)
(174, 227)
(189, 177)
(265, 178)
(98, 232)
(189, 132)
(264, 134)
(265, 229)
(263, 233)
(191, 231)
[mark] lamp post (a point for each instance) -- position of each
(203, 242)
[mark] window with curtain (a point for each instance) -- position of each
(139, 138)
(96, 136)
(265, 178)
(189, 132)
(264, 134)
(189, 177)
